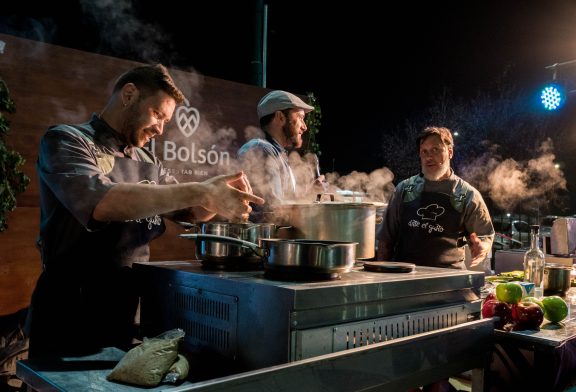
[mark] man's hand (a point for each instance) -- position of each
(478, 248)
(230, 196)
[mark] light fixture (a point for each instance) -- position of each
(552, 96)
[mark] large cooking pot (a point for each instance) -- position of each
(332, 221)
(308, 256)
(557, 279)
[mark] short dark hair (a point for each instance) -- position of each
(264, 121)
(149, 79)
(444, 133)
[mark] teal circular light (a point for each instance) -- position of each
(552, 97)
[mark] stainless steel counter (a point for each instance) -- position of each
(394, 365)
(365, 331)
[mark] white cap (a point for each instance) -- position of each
(280, 100)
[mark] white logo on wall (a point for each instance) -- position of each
(187, 119)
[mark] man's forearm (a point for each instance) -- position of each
(137, 201)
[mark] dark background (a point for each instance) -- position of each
(371, 65)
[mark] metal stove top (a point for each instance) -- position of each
(236, 313)
(357, 276)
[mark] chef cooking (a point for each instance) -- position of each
(432, 215)
(265, 161)
(103, 199)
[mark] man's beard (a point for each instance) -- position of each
(294, 139)
(437, 174)
(130, 125)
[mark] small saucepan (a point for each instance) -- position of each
(310, 256)
(222, 254)
(557, 279)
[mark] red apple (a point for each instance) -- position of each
(527, 315)
(491, 295)
(500, 311)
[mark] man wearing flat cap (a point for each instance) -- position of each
(265, 161)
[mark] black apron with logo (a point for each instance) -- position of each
(430, 232)
(87, 297)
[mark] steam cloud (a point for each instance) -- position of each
(118, 19)
(125, 32)
(509, 182)
(376, 186)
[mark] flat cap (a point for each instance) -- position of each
(280, 100)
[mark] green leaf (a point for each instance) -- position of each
(313, 123)
(12, 180)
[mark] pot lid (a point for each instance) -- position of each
(557, 266)
(325, 204)
(388, 266)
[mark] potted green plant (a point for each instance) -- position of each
(12, 180)
(313, 123)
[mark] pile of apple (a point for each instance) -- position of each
(511, 312)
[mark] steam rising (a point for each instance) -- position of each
(508, 182)
(117, 20)
(374, 187)
(125, 32)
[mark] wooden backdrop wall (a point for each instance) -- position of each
(51, 85)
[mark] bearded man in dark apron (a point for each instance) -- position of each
(432, 215)
(103, 198)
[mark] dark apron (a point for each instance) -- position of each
(430, 232)
(89, 300)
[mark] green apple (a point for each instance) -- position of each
(555, 308)
(535, 300)
(510, 292)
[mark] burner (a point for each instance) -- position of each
(232, 264)
(300, 275)
(388, 266)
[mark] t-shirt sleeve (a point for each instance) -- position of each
(477, 218)
(67, 165)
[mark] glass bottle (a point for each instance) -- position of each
(534, 261)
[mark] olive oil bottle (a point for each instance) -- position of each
(534, 262)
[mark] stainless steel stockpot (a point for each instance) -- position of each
(333, 221)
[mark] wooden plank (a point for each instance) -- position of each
(19, 259)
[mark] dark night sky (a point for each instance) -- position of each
(370, 64)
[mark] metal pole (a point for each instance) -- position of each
(256, 63)
(264, 45)
(552, 66)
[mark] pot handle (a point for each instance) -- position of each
(189, 226)
(261, 252)
(281, 227)
(319, 197)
